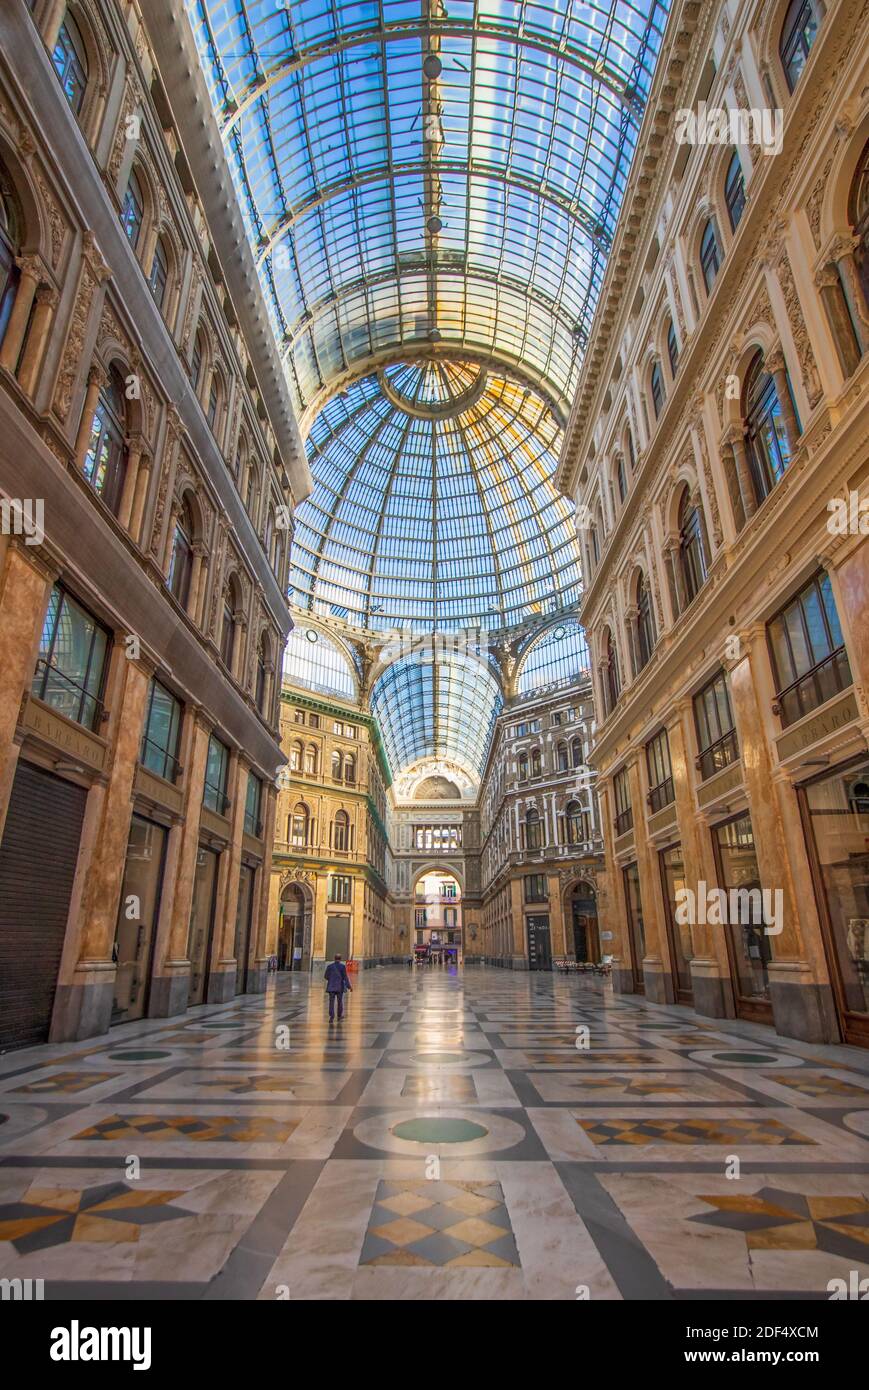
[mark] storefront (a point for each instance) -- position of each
(138, 910)
(539, 943)
(243, 918)
(636, 928)
(749, 947)
(672, 867)
(835, 811)
(202, 923)
(38, 858)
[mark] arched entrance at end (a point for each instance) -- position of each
(437, 917)
(582, 922)
(294, 929)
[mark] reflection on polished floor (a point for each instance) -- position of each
(450, 1139)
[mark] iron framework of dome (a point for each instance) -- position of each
(433, 506)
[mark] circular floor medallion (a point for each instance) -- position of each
(733, 1057)
(151, 1055)
(439, 1129)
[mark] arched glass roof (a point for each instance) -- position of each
(312, 659)
(420, 171)
(559, 655)
(433, 505)
(436, 709)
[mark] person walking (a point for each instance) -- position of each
(337, 982)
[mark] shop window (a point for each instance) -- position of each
(340, 888)
(216, 777)
(661, 792)
(252, 805)
(162, 732)
(716, 735)
(808, 653)
(72, 660)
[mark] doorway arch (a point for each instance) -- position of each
(582, 920)
(294, 927)
(437, 916)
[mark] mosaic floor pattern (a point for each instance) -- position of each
(477, 1134)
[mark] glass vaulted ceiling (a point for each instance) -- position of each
(421, 172)
(433, 506)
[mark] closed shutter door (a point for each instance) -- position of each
(37, 866)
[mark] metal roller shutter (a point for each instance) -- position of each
(37, 865)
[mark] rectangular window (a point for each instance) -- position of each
(314, 721)
(252, 805)
(340, 888)
(73, 655)
(624, 820)
(420, 917)
(660, 773)
(535, 888)
(713, 719)
(298, 716)
(216, 775)
(450, 916)
(159, 751)
(807, 650)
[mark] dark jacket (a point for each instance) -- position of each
(335, 976)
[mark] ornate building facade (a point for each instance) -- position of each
(541, 853)
(717, 452)
(149, 466)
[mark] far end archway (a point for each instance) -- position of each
(437, 918)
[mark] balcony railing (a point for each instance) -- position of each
(718, 755)
(825, 679)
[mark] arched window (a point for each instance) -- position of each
(159, 276)
(574, 822)
(766, 440)
(250, 485)
(576, 757)
(262, 673)
(523, 767)
(296, 756)
(349, 768)
(645, 622)
(691, 555)
(535, 762)
(297, 831)
(311, 760)
(710, 259)
(133, 209)
(594, 539)
(10, 245)
(799, 32)
(858, 216)
(181, 564)
(215, 401)
(197, 359)
(533, 829)
(563, 759)
(612, 682)
(657, 383)
(70, 63)
(269, 537)
(337, 766)
(621, 479)
(227, 631)
(105, 464)
(632, 454)
(341, 831)
(672, 348)
(734, 191)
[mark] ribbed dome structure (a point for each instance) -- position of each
(433, 506)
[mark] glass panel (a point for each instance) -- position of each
(636, 927)
(314, 661)
(839, 814)
(137, 917)
(751, 946)
(162, 728)
(559, 655)
(673, 878)
(201, 918)
(72, 657)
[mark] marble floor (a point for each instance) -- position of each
(477, 1134)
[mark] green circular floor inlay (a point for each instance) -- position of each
(434, 1129)
(744, 1057)
(137, 1056)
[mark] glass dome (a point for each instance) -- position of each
(433, 505)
